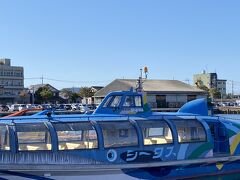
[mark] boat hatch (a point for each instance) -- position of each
(220, 137)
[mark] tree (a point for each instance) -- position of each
(70, 95)
(74, 97)
(214, 93)
(203, 87)
(66, 93)
(86, 92)
(43, 94)
(23, 95)
(200, 85)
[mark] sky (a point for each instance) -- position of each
(74, 43)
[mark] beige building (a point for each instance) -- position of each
(210, 80)
(11, 82)
(160, 93)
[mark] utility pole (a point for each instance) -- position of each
(232, 89)
(42, 79)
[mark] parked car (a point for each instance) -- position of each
(17, 107)
(84, 108)
(4, 108)
(75, 107)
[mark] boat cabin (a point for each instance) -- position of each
(115, 139)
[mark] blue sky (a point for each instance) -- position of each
(93, 42)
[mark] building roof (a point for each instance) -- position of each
(160, 86)
(222, 80)
(97, 88)
(34, 88)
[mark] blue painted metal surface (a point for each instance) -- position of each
(198, 107)
(191, 157)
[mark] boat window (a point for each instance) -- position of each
(107, 101)
(190, 130)
(129, 101)
(156, 132)
(76, 136)
(118, 134)
(113, 101)
(138, 101)
(116, 101)
(33, 137)
(4, 138)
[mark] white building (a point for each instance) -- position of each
(11, 82)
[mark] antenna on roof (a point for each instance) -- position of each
(139, 82)
(140, 79)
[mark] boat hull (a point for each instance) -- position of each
(133, 171)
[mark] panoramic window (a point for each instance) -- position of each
(156, 132)
(118, 134)
(76, 136)
(189, 130)
(4, 138)
(33, 137)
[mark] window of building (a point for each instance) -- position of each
(33, 137)
(156, 132)
(4, 138)
(118, 134)
(76, 136)
(189, 130)
(191, 97)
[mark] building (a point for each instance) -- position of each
(90, 100)
(160, 93)
(11, 82)
(222, 87)
(210, 80)
(54, 99)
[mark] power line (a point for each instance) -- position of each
(63, 81)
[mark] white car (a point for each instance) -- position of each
(84, 108)
(17, 107)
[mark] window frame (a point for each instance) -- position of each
(82, 136)
(34, 143)
(134, 101)
(195, 141)
(8, 136)
(119, 134)
(155, 120)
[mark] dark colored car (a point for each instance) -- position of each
(4, 108)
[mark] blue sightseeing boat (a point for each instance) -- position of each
(121, 139)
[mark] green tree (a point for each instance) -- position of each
(67, 93)
(74, 97)
(214, 93)
(43, 94)
(86, 92)
(23, 96)
(203, 87)
(70, 95)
